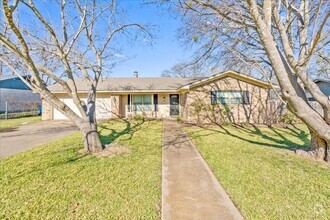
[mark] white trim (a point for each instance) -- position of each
(125, 92)
(228, 73)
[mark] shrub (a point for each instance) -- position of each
(178, 118)
(288, 118)
(139, 117)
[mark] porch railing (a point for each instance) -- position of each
(141, 108)
(159, 110)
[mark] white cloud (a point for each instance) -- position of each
(119, 55)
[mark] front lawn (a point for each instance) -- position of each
(54, 181)
(10, 123)
(257, 167)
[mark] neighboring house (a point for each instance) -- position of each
(18, 96)
(225, 96)
(324, 85)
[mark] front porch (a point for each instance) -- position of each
(156, 105)
(123, 105)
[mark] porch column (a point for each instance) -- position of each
(47, 111)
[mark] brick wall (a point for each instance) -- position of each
(198, 107)
(47, 111)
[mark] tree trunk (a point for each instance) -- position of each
(318, 149)
(92, 142)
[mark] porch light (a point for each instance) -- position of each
(164, 99)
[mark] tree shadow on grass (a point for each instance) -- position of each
(272, 137)
(129, 130)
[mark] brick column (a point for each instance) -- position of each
(47, 111)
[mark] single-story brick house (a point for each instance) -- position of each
(225, 96)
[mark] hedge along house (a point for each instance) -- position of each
(224, 96)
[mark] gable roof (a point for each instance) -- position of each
(5, 77)
(157, 84)
(322, 80)
(229, 73)
(13, 82)
(10, 77)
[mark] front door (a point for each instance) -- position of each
(174, 104)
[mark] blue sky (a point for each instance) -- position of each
(148, 60)
(163, 54)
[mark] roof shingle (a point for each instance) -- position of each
(132, 84)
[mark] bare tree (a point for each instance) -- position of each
(77, 38)
(278, 36)
(183, 69)
(321, 66)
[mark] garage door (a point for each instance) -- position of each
(103, 108)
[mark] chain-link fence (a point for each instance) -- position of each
(19, 103)
(17, 109)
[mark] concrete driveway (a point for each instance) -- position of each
(25, 137)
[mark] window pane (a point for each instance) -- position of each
(223, 97)
(223, 94)
(236, 94)
(227, 97)
(223, 100)
(137, 99)
(142, 102)
(236, 100)
(147, 102)
(147, 99)
(137, 102)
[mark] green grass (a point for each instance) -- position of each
(53, 181)
(260, 172)
(10, 123)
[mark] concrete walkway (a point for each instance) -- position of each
(25, 137)
(189, 188)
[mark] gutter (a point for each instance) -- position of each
(124, 91)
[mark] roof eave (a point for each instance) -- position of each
(234, 75)
(321, 80)
(123, 91)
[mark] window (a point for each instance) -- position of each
(229, 97)
(142, 102)
(147, 102)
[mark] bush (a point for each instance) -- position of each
(288, 118)
(18, 114)
(178, 118)
(139, 117)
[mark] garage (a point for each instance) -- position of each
(102, 105)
